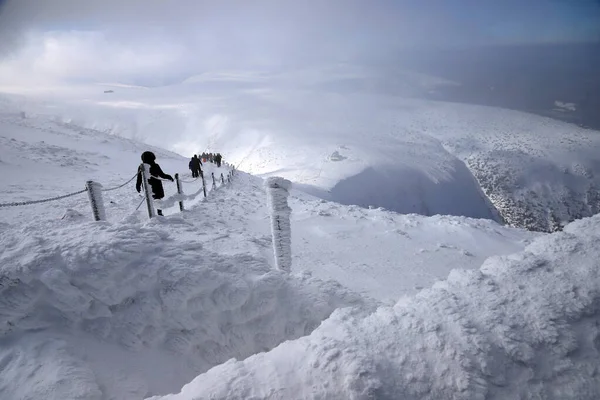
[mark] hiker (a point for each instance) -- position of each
(218, 158)
(156, 173)
(192, 167)
(196, 166)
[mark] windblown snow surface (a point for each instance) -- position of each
(524, 326)
(337, 128)
(377, 305)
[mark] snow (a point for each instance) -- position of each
(386, 255)
(524, 326)
(377, 304)
(105, 303)
(131, 308)
(310, 125)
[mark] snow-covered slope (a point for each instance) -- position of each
(538, 172)
(43, 157)
(100, 311)
(339, 128)
(132, 308)
(524, 326)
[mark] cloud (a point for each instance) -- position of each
(74, 56)
(146, 41)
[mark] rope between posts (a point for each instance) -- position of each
(141, 202)
(120, 186)
(192, 181)
(26, 203)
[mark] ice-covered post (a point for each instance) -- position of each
(277, 194)
(179, 192)
(222, 179)
(214, 186)
(145, 169)
(94, 190)
(204, 185)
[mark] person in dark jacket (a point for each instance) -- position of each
(218, 159)
(192, 168)
(156, 172)
(196, 166)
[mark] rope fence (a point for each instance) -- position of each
(192, 181)
(27, 203)
(95, 190)
(120, 186)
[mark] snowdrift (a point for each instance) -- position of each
(83, 305)
(524, 326)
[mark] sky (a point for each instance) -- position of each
(155, 41)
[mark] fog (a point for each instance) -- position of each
(513, 54)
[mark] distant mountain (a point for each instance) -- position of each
(538, 173)
(361, 136)
(526, 78)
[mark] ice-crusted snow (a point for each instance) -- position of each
(524, 326)
(377, 305)
(100, 305)
(131, 308)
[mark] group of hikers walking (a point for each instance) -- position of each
(157, 174)
(195, 164)
(212, 158)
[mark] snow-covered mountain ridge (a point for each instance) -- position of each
(332, 129)
(134, 309)
(378, 304)
(129, 308)
(538, 173)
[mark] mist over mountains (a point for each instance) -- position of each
(526, 78)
